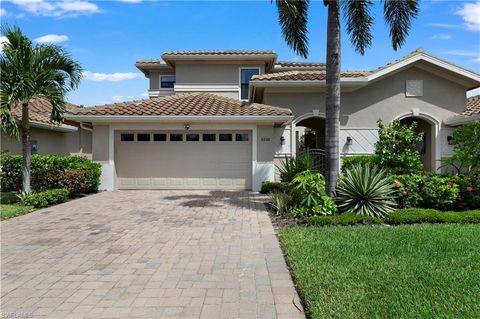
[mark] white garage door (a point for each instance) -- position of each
(183, 160)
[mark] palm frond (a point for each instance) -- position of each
(399, 15)
(359, 22)
(293, 18)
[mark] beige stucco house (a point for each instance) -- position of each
(69, 137)
(223, 119)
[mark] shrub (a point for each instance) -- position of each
(466, 148)
(292, 166)
(282, 202)
(269, 187)
(11, 171)
(308, 190)
(396, 148)
(46, 198)
(350, 161)
(320, 220)
(469, 191)
(366, 190)
(75, 180)
(408, 190)
(44, 178)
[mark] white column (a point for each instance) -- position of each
(293, 140)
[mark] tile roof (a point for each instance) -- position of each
(151, 62)
(299, 64)
(40, 110)
(221, 52)
(199, 104)
(473, 105)
(304, 75)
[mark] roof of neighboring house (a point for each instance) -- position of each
(221, 52)
(40, 110)
(304, 75)
(299, 64)
(186, 104)
(473, 105)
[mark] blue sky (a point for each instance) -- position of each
(107, 37)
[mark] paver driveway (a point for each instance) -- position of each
(158, 254)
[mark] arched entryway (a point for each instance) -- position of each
(427, 147)
(309, 136)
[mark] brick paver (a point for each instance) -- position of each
(147, 254)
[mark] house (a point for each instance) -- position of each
(68, 137)
(224, 119)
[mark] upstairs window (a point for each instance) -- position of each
(245, 77)
(167, 81)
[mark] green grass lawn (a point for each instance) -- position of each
(409, 271)
(10, 207)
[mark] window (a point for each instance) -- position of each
(245, 76)
(126, 137)
(176, 137)
(159, 137)
(167, 81)
(193, 137)
(414, 88)
(243, 137)
(143, 137)
(225, 137)
(209, 137)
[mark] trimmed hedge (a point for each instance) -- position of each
(46, 198)
(270, 187)
(46, 170)
(404, 216)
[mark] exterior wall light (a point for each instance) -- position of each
(450, 140)
(282, 140)
(186, 126)
(349, 141)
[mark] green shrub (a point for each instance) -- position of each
(346, 219)
(269, 187)
(308, 190)
(320, 220)
(11, 171)
(469, 191)
(282, 202)
(350, 161)
(75, 180)
(396, 148)
(366, 190)
(466, 148)
(293, 166)
(46, 198)
(408, 190)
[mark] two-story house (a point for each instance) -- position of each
(223, 119)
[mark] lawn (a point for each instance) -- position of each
(409, 271)
(10, 207)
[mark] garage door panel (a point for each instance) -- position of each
(194, 165)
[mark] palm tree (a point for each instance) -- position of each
(29, 71)
(293, 19)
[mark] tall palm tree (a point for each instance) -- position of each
(293, 19)
(28, 71)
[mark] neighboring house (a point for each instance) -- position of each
(47, 137)
(223, 119)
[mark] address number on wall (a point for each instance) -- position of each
(265, 139)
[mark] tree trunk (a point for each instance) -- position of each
(332, 98)
(26, 147)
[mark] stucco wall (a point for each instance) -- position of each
(52, 142)
(212, 73)
(100, 146)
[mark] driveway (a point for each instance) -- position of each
(155, 254)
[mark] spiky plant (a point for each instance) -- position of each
(366, 190)
(292, 166)
(282, 202)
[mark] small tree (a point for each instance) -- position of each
(466, 147)
(397, 147)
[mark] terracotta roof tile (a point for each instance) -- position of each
(201, 104)
(299, 64)
(220, 52)
(40, 110)
(304, 75)
(473, 105)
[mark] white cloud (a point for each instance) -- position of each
(462, 53)
(441, 36)
(443, 25)
(3, 12)
(120, 98)
(130, 1)
(57, 8)
(3, 41)
(114, 77)
(52, 38)
(144, 95)
(470, 14)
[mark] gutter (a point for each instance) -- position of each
(60, 128)
(461, 119)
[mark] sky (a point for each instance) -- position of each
(107, 37)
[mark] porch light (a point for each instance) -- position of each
(282, 140)
(349, 141)
(450, 140)
(186, 126)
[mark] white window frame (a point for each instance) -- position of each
(240, 79)
(160, 83)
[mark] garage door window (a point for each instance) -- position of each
(176, 137)
(193, 137)
(225, 137)
(143, 137)
(209, 137)
(159, 137)
(241, 137)
(126, 137)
